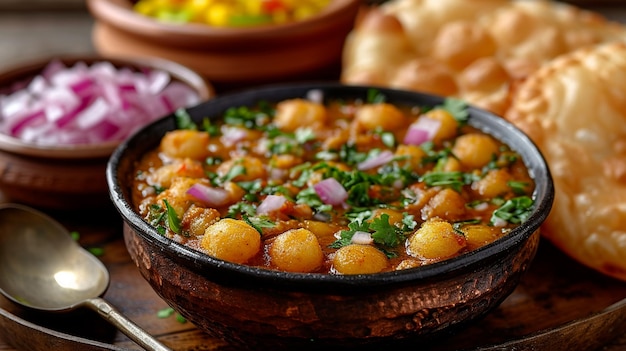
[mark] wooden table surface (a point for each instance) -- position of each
(556, 290)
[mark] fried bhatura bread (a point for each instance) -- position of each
(574, 108)
(477, 50)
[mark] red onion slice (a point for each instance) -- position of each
(362, 238)
(75, 101)
(421, 131)
(379, 160)
(214, 197)
(270, 204)
(331, 191)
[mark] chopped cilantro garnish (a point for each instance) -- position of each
(346, 235)
(303, 135)
(173, 221)
(165, 312)
(454, 180)
(385, 233)
(374, 96)
(210, 128)
(309, 197)
(350, 155)
(75, 235)
(388, 138)
(246, 117)
(458, 109)
(235, 171)
(519, 188)
(408, 221)
(258, 223)
(514, 211)
(158, 189)
(168, 311)
(183, 120)
(433, 156)
(156, 216)
(96, 251)
(212, 161)
(241, 208)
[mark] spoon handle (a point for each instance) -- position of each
(126, 326)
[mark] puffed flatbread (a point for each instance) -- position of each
(477, 50)
(574, 108)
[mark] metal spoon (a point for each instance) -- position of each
(42, 267)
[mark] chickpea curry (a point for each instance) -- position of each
(337, 187)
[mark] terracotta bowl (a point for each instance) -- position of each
(230, 56)
(68, 176)
(254, 308)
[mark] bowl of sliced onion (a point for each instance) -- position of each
(61, 118)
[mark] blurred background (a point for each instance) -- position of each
(30, 29)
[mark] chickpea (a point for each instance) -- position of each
(478, 235)
(435, 240)
(449, 125)
(186, 143)
(176, 195)
(322, 230)
(394, 216)
(285, 161)
(451, 165)
(494, 183)
(163, 176)
(413, 153)
(383, 115)
(231, 240)
(197, 219)
(359, 259)
(254, 168)
(295, 113)
(475, 150)
(296, 250)
(446, 204)
(235, 192)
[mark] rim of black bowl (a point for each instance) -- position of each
(148, 137)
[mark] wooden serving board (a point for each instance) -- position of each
(555, 291)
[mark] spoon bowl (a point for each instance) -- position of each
(42, 267)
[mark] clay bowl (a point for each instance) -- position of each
(255, 308)
(69, 176)
(230, 57)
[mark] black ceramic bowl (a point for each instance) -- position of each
(257, 308)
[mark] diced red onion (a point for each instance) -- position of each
(211, 196)
(271, 203)
(481, 206)
(315, 95)
(381, 159)
(421, 131)
(398, 184)
(76, 101)
(362, 238)
(278, 173)
(331, 191)
(499, 222)
(231, 136)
